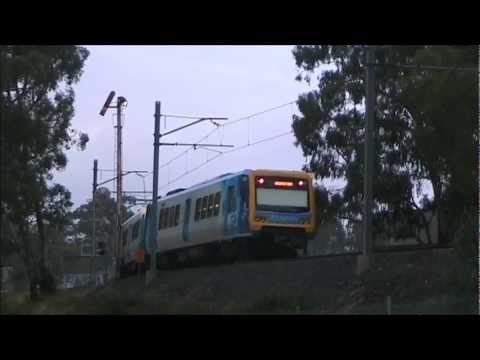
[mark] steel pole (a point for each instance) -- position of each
(154, 216)
(94, 188)
(117, 246)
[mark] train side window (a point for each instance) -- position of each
(135, 230)
(197, 208)
(204, 207)
(165, 218)
(230, 198)
(141, 225)
(171, 218)
(125, 236)
(216, 204)
(210, 205)
(160, 219)
(177, 215)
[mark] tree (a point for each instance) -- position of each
(52, 211)
(417, 114)
(105, 215)
(36, 104)
(444, 106)
(330, 231)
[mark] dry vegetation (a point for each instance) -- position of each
(418, 283)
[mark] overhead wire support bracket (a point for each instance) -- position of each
(192, 123)
(123, 174)
(195, 145)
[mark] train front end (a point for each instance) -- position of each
(282, 206)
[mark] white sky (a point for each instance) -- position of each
(218, 81)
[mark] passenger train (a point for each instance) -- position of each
(243, 215)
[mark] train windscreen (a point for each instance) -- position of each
(280, 194)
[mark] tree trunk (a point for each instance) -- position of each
(47, 283)
(426, 226)
(437, 200)
(29, 262)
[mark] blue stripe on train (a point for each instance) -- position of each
(235, 219)
(283, 218)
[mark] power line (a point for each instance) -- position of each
(226, 152)
(182, 116)
(223, 125)
(259, 113)
(259, 142)
(428, 67)
(184, 152)
(189, 171)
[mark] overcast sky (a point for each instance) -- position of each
(217, 81)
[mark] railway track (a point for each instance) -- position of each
(378, 250)
(299, 257)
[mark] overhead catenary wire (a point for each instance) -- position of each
(259, 142)
(224, 153)
(428, 67)
(222, 126)
(171, 181)
(189, 171)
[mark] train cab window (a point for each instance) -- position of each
(177, 215)
(197, 209)
(231, 199)
(216, 204)
(204, 207)
(136, 230)
(210, 205)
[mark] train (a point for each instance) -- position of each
(249, 214)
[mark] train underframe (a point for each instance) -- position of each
(270, 243)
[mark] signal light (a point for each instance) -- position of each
(107, 103)
(301, 183)
(261, 181)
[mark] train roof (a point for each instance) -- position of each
(174, 193)
(227, 176)
(135, 216)
(209, 182)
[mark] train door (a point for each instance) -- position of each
(235, 206)
(186, 220)
(147, 247)
(230, 212)
(243, 195)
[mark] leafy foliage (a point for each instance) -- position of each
(36, 103)
(420, 116)
(105, 214)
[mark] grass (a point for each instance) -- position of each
(278, 301)
(107, 301)
(58, 303)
